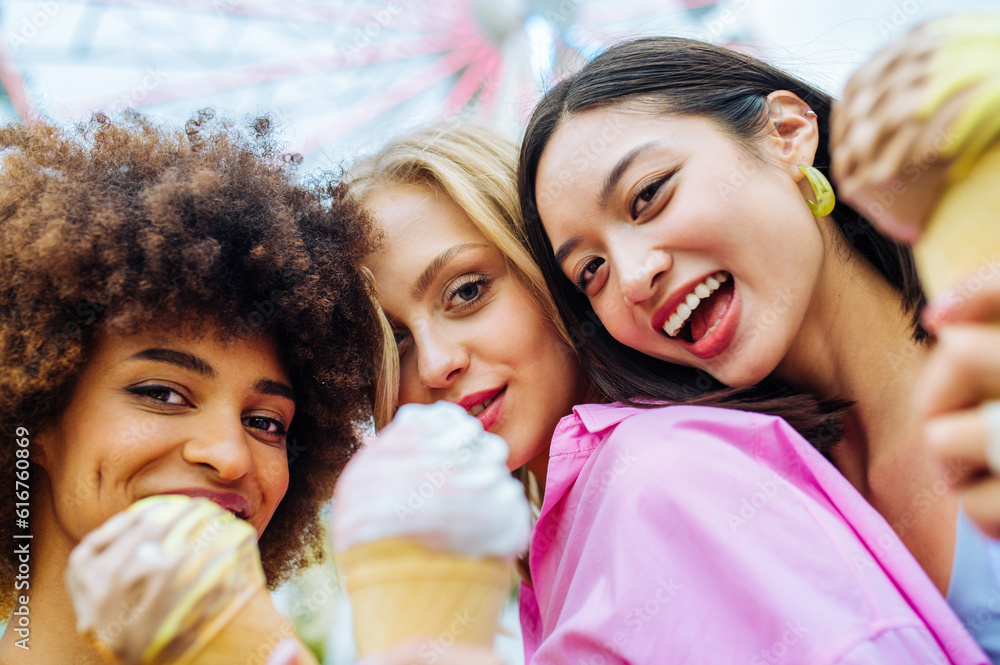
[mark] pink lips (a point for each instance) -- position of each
(230, 501)
(491, 414)
(719, 339)
(669, 306)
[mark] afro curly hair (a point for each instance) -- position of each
(115, 224)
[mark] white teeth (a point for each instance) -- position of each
(479, 408)
(691, 302)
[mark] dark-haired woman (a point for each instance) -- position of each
(177, 316)
(679, 534)
(674, 191)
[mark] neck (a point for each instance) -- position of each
(49, 633)
(856, 343)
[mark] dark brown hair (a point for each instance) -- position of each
(119, 224)
(686, 77)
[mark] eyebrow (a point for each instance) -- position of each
(615, 175)
(269, 387)
(195, 364)
(179, 358)
(567, 248)
(439, 262)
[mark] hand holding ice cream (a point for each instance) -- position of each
(915, 144)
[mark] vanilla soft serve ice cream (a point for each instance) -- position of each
(433, 475)
(427, 520)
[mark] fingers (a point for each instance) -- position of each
(959, 440)
(286, 653)
(980, 502)
(975, 299)
(963, 370)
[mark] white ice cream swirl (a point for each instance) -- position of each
(433, 475)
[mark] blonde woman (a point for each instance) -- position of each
(641, 506)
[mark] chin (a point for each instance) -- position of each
(742, 377)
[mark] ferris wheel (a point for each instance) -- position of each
(338, 74)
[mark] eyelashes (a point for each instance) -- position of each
(582, 281)
(470, 291)
(280, 429)
(474, 286)
(152, 391)
(165, 396)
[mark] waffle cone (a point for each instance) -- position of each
(401, 590)
(247, 633)
(249, 636)
(963, 234)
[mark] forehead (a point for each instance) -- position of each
(587, 145)
(417, 223)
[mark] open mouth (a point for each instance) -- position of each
(702, 310)
(479, 408)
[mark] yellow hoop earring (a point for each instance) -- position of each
(825, 199)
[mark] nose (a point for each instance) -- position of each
(640, 270)
(441, 358)
(221, 445)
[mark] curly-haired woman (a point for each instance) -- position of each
(177, 315)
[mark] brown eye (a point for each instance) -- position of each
(157, 393)
(268, 425)
(645, 196)
(587, 274)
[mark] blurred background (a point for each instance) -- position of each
(341, 77)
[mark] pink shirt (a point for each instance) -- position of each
(698, 535)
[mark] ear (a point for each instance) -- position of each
(41, 442)
(794, 133)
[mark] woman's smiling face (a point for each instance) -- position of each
(167, 413)
(690, 248)
(467, 331)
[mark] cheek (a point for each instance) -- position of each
(411, 391)
(616, 316)
(273, 466)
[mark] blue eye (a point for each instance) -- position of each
(400, 336)
(470, 292)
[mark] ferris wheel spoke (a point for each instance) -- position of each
(199, 84)
(13, 81)
(475, 77)
(398, 93)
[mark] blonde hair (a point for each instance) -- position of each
(476, 168)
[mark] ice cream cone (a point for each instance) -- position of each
(401, 590)
(427, 524)
(175, 581)
(247, 636)
(963, 233)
